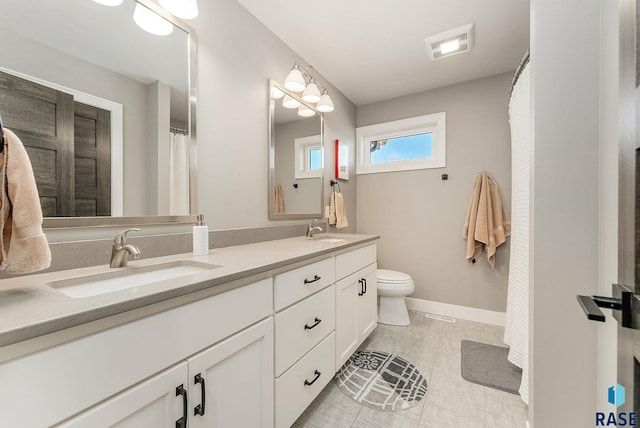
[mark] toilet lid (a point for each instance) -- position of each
(392, 276)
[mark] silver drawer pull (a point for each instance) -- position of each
(315, 278)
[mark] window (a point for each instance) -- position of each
(415, 143)
(308, 153)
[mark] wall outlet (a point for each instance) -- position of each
(326, 211)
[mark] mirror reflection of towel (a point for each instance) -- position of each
(337, 212)
(279, 200)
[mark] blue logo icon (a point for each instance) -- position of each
(616, 395)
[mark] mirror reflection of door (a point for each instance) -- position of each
(68, 143)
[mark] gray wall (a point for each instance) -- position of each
(236, 57)
(420, 217)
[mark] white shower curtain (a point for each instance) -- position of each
(179, 174)
(516, 331)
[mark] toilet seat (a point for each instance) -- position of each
(392, 283)
(393, 277)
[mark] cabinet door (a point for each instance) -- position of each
(152, 403)
(368, 310)
(231, 383)
(347, 307)
(356, 311)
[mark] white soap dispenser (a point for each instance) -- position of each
(200, 237)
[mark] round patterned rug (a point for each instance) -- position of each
(381, 381)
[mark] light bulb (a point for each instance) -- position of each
(325, 104)
(289, 102)
(276, 93)
(294, 81)
(151, 22)
(186, 9)
(448, 47)
(305, 111)
(312, 93)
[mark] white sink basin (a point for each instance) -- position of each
(124, 278)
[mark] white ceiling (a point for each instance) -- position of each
(375, 50)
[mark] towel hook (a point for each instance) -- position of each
(335, 183)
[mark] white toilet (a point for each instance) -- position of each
(392, 288)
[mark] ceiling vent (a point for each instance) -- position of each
(452, 42)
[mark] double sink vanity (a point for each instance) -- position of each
(245, 336)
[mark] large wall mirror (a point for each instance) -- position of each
(296, 156)
(105, 110)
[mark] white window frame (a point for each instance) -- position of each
(302, 147)
(431, 123)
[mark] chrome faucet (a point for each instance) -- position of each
(311, 229)
(121, 250)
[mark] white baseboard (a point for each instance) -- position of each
(455, 311)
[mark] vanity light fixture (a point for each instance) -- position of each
(276, 93)
(301, 80)
(290, 102)
(311, 93)
(305, 111)
(151, 22)
(109, 2)
(325, 105)
(185, 9)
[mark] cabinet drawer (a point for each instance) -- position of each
(289, 287)
(293, 392)
(348, 263)
(302, 326)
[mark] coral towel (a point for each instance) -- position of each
(487, 223)
(23, 243)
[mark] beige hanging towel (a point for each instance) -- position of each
(279, 200)
(487, 223)
(23, 243)
(337, 211)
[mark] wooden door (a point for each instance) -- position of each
(92, 159)
(43, 119)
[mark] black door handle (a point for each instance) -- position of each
(365, 285)
(199, 409)
(309, 327)
(591, 306)
(182, 422)
(315, 278)
(361, 291)
(317, 375)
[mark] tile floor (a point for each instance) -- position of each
(434, 347)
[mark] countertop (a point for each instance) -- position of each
(30, 308)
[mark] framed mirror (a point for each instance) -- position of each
(296, 156)
(105, 109)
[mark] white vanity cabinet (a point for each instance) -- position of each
(356, 300)
(212, 388)
(304, 337)
(131, 360)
